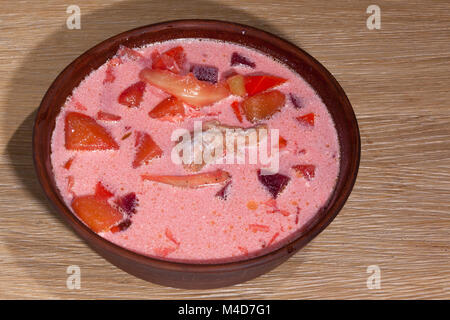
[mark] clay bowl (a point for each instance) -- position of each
(184, 275)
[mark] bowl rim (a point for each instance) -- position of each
(94, 240)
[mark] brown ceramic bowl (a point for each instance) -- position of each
(186, 275)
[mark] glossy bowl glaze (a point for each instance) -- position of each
(184, 275)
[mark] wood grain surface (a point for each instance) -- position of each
(397, 78)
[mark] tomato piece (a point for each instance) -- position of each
(132, 96)
(307, 119)
(97, 213)
(263, 105)
(146, 149)
(84, 133)
(257, 84)
(170, 109)
(101, 192)
(172, 60)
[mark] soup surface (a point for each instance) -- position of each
(258, 149)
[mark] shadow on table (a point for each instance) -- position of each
(65, 45)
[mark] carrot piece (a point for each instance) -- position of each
(273, 238)
(170, 236)
(237, 110)
(68, 163)
(258, 227)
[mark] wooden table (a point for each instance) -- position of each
(397, 78)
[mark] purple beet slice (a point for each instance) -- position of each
(128, 203)
(237, 59)
(124, 225)
(296, 101)
(205, 73)
(223, 193)
(274, 183)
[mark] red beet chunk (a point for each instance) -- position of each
(237, 59)
(132, 96)
(205, 73)
(128, 203)
(223, 193)
(308, 171)
(274, 183)
(296, 101)
(124, 225)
